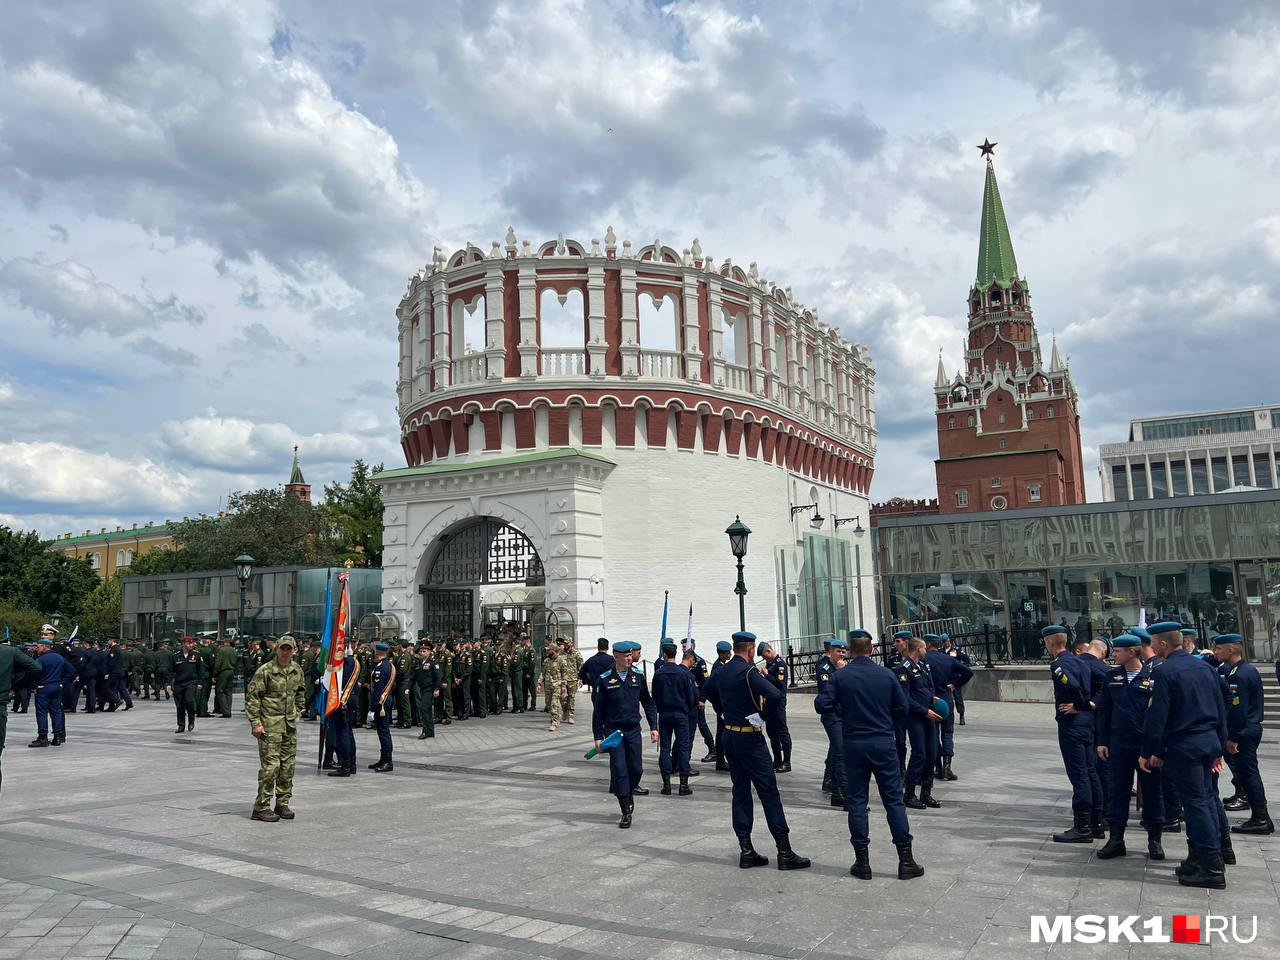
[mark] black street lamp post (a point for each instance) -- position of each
(165, 593)
(244, 570)
(738, 533)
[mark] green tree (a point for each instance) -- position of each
(100, 616)
(22, 623)
(34, 577)
(355, 511)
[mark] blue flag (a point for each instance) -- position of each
(666, 596)
(326, 638)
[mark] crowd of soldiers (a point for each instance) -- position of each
(1172, 716)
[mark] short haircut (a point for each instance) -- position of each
(689, 654)
(1056, 641)
(935, 643)
(1081, 645)
(744, 645)
(602, 643)
(861, 646)
(914, 644)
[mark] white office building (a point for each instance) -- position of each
(1193, 454)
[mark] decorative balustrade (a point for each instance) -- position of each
(737, 378)
(564, 363)
(469, 369)
(662, 364)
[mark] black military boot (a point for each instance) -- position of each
(1226, 852)
(1173, 821)
(624, 804)
(666, 785)
(338, 772)
(1237, 801)
(861, 862)
(788, 859)
(926, 797)
(40, 741)
(1259, 824)
(747, 856)
(1079, 832)
(838, 798)
(1095, 824)
(827, 782)
(685, 789)
(910, 798)
(908, 869)
(1114, 847)
(1204, 870)
(946, 770)
(711, 755)
(786, 762)
(1155, 851)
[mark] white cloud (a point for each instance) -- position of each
(73, 300)
(237, 443)
(56, 473)
(7, 393)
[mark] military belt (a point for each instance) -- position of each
(729, 726)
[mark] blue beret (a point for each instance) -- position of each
(1228, 638)
(944, 636)
(1164, 626)
(828, 641)
(903, 635)
(381, 645)
(723, 646)
(622, 646)
(744, 636)
(1109, 645)
(761, 647)
(1189, 632)
(667, 642)
(839, 644)
(941, 707)
(1141, 633)
(930, 637)
(1051, 629)
(854, 634)
(1127, 640)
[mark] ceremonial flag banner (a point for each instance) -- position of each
(338, 651)
(666, 596)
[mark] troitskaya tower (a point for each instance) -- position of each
(1008, 427)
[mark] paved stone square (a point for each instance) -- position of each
(497, 839)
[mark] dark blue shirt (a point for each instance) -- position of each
(869, 697)
(616, 703)
(1072, 683)
(824, 672)
(382, 680)
(917, 684)
(1186, 707)
(55, 670)
(1099, 674)
(776, 671)
(1122, 706)
(737, 690)
(1244, 704)
(673, 689)
(593, 667)
(947, 670)
(700, 672)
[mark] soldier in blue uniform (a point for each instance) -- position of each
(382, 688)
(871, 704)
(724, 652)
(616, 702)
(824, 666)
(339, 738)
(1244, 730)
(949, 677)
(825, 673)
(950, 648)
(775, 668)
(1121, 709)
(917, 684)
(1091, 654)
(676, 698)
(700, 671)
(745, 698)
(56, 672)
(893, 661)
(1184, 733)
(1074, 715)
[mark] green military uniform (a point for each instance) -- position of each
(426, 686)
(462, 684)
(498, 677)
(364, 657)
(14, 665)
(162, 669)
(444, 660)
(224, 674)
(404, 673)
(570, 678)
(307, 660)
(274, 702)
(207, 655)
(530, 676)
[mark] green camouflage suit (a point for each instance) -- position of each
(274, 702)
(224, 672)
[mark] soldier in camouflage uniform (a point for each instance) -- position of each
(273, 704)
(553, 684)
(570, 668)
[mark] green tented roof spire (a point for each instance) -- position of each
(296, 476)
(995, 248)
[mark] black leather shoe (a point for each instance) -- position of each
(694, 773)
(786, 766)
(181, 729)
(926, 797)
(1257, 825)
(711, 755)
(39, 742)
(422, 735)
(788, 859)
(747, 856)
(639, 791)
(340, 772)
(1236, 802)
(862, 862)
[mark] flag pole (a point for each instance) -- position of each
(324, 653)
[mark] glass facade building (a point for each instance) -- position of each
(825, 586)
(277, 600)
(1212, 562)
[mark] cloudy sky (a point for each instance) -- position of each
(208, 209)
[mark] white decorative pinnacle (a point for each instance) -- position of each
(626, 249)
(526, 249)
(561, 250)
(657, 250)
(610, 240)
(595, 246)
(495, 252)
(753, 275)
(696, 249)
(687, 260)
(511, 240)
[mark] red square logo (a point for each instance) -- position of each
(1186, 929)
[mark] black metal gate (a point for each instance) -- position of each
(443, 610)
